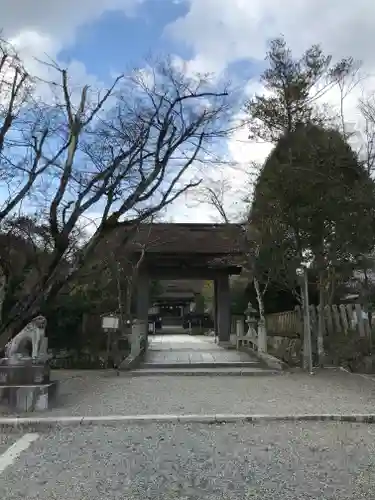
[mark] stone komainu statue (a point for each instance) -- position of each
(30, 342)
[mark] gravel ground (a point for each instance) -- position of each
(103, 393)
(280, 461)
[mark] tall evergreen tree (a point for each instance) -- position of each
(293, 88)
(314, 187)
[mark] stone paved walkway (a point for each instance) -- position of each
(193, 350)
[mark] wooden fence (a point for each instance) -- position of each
(337, 319)
(285, 324)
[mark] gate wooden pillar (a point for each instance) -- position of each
(216, 327)
(223, 303)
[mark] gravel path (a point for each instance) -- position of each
(243, 461)
(327, 392)
(103, 393)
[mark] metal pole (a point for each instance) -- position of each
(307, 323)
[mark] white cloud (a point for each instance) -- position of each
(221, 32)
(56, 20)
(40, 29)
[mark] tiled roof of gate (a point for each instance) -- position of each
(186, 238)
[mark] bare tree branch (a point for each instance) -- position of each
(124, 154)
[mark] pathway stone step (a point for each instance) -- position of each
(217, 365)
(213, 372)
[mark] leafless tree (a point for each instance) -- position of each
(346, 76)
(124, 153)
(267, 259)
(125, 266)
(220, 195)
(215, 195)
(124, 271)
(21, 139)
(367, 151)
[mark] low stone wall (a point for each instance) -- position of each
(346, 350)
(286, 348)
(350, 351)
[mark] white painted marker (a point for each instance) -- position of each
(14, 451)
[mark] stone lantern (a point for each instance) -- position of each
(250, 317)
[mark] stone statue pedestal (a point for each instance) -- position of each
(25, 383)
(26, 386)
(24, 373)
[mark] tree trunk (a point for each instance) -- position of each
(27, 309)
(13, 327)
(320, 339)
(2, 292)
(329, 286)
(122, 322)
(262, 329)
(259, 299)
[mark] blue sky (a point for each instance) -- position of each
(115, 41)
(212, 35)
(105, 37)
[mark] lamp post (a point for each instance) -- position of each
(307, 349)
(110, 323)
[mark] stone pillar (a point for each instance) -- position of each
(223, 308)
(240, 330)
(262, 336)
(216, 328)
(142, 303)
